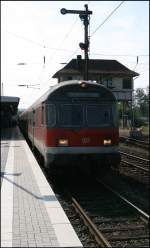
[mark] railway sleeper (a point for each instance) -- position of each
(128, 245)
(109, 220)
(113, 229)
(121, 238)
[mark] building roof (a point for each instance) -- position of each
(96, 66)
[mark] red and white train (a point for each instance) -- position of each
(74, 121)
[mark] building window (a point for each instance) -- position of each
(127, 83)
(108, 83)
(69, 78)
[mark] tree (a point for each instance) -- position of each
(140, 105)
(141, 102)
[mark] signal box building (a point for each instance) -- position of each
(110, 73)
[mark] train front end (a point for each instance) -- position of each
(82, 126)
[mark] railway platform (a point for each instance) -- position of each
(31, 215)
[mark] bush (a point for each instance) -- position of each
(139, 122)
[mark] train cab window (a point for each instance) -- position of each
(71, 115)
(51, 115)
(98, 115)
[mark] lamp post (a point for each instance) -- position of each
(84, 16)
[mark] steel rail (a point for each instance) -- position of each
(135, 142)
(141, 212)
(100, 239)
(138, 141)
(133, 156)
(136, 166)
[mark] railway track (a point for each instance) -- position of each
(135, 142)
(135, 151)
(116, 232)
(143, 164)
(136, 167)
(109, 218)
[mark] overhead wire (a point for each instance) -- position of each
(37, 43)
(112, 12)
(124, 55)
(63, 40)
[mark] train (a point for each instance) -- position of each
(75, 123)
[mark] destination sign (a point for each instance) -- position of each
(83, 94)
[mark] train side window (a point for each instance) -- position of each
(51, 115)
(30, 118)
(33, 118)
(43, 119)
(36, 117)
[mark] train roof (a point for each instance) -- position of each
(54, 88)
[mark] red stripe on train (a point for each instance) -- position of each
(83, 137)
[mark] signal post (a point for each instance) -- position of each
(84, 16)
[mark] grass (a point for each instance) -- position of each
(145, 130)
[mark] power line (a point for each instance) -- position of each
(72, 54)
(107, 18)
(37, 43)
(144, 70)
(69, 32)
(21, 37)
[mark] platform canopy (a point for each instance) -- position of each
(9, 103)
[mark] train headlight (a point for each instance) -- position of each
(83, 84)
(63, 142)
(107, 142)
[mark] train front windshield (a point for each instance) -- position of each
(81, 115)
(71, 115)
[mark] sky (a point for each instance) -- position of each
(31, 30)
